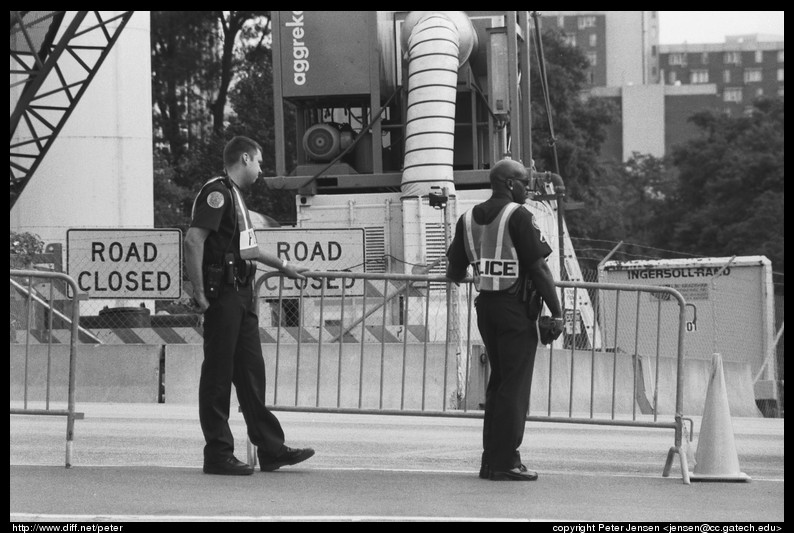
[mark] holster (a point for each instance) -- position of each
(213, 281)
(531, 298)
(238, 271)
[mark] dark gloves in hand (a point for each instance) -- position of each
(550, 328)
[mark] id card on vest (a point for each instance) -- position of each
(248, 244)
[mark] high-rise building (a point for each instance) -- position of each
(621, 46)
(658, 87)
(743, 68)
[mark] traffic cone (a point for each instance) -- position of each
(716, 458)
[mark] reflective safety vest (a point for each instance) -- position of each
(491, 251)
(243, 219)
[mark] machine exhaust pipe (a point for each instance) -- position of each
(436, 44)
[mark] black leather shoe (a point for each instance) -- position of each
(485, 471)
(290, 456)
(228, 467)
(516, 474)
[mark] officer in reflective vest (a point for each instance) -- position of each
(502, 242)
(220, 250)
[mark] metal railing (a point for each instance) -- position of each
(30, 296)
(407, 344)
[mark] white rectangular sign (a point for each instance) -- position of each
(126, 263)
(322, 249)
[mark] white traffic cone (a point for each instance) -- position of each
(716, 458)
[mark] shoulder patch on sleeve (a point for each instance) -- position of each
(215, 199)
(537, 227)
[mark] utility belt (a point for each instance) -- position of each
(524, 291)
(232, 272)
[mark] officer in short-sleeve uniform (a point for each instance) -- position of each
(506, 249)
(232, 349)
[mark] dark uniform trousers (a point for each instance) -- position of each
(233, 354)
(511, 341)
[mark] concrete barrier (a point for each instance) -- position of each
(336, 387)
(132, 374)
(102, 373)
(552, 385)
(738, 382)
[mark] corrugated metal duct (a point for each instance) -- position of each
(437, 43)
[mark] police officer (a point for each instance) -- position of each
(507, 251)
(220, 254)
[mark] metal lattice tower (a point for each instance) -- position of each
(52, 64)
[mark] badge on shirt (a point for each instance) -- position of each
(215, 199)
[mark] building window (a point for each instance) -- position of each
(671, 77)
(732, 94)
(704, 58)
(780, 74)
(752, 75)
(592, 57)
(726, 76)
(560, 21)
(699, 76)
(780, 56)
(732, 58)
(570, 40)
(759, 56)
(593, 38)
(780, 92)
(586, 22)
(677, 59)
(759, 91)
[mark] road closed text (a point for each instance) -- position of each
(126, 264)
(129, 280)
(321, 250)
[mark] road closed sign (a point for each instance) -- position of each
(339, 249)
(126, 263)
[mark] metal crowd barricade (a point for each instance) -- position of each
(33, 296)
(408, 344)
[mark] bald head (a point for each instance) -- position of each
(510, 180)
(508, 169)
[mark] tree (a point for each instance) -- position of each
(196, 56)
(252, 101)
(25, 247)
(182, 59)
(579, 127)
(729, 195)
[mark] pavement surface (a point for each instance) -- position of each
(142, 463)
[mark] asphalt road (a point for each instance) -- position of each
(142, 463)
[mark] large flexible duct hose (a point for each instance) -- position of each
(437, 44)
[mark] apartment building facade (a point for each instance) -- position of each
(743, 68)
(658, 87)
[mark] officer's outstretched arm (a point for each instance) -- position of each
(291, 270)
(544, 283)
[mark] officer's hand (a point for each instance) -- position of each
(550, 328)
(293, 271)
(201, 302)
